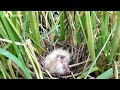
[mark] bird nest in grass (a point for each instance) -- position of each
(78, 65)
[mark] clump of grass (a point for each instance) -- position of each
(92, 38)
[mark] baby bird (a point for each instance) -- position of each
(57, 62)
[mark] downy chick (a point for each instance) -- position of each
(57, 62)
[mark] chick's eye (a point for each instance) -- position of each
(57, 56)
(62, 57)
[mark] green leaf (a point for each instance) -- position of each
(17, 61)
(62, 31)
(93, 70)
(106, 75)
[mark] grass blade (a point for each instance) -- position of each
(94, 62)
(4, 76)
(35, 29)
(11, 69)
(106, 75)
(62, 31)
(90, 42)
(17, 61)
(115, 40)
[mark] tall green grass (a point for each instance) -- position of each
(90, 33)
(15, 30)
(26, 36)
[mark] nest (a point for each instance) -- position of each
(78, 65)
